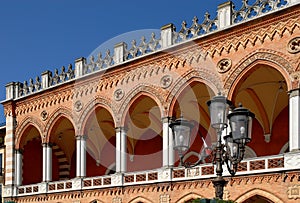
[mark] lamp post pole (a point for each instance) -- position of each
(219, 182)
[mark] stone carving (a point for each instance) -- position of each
(291, 160)
(294, 45)
(78, 106)
(193, 172)
(117, 200)
(224, 65)
(165, 198)
(119, 94)
(44, 115)
(294, 192)
(164, 175)
(166, 81)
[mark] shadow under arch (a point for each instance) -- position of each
(248, 64)
(140, 200)
(27, 122)
(92, 106)
(188, 197)
(55, 117)
(183, 82)
(139, 91)
(258, 192)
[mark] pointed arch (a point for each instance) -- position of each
(141, 90)
(24, 124)
(259, 192)
(188, 197)
(260, 57)
(140, 199)
(209, 79)
(92, 105)
(53, 118)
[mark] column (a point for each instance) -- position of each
(121, 150)
(168, 151)
(294, 120)
(80, 156)
(47, 162)
(18, 167)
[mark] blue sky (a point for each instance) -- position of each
(40, 35)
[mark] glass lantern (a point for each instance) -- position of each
(218, 108)
(181, 129)
(240, 121)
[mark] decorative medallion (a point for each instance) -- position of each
(119, 94)
(117, 200)
(294, 45)
(165, 198)
(294, 192)
(166, 81)
(44, 115)
(224, 65)
(78, 105)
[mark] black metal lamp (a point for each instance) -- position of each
(240, 121)
(218, 108)
(181, 129)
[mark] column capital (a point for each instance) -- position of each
(80, 137)
(167, 119)
(47, 144)
(121, 129)
(294, 93)
(19, 151)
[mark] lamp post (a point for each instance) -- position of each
(232, 151)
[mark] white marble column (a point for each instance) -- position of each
(121, 150)
(168, 151)
(80, 156)
(294, 120)
(18, 167)
(47, 162)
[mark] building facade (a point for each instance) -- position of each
(98, 131)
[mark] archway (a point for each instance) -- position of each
(144, 124)
(263, 90)
(101, 142)
(62, 138)
(31, 144)
(190, 103)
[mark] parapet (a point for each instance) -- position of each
(226, 17)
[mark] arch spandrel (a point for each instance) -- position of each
(261, 57)
(268, 195)
(24, 124)
(142, 90)
(90, 107)
(58, 114)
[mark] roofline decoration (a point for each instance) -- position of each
(226, 17)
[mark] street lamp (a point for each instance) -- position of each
(232, 151)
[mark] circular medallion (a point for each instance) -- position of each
(224, 65)
(294, 45)
(119, 94)
(166, 81)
